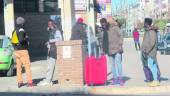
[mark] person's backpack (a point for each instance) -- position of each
(14, 38)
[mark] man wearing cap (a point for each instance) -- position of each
(149, 52)
(21, 54)
(79, 31)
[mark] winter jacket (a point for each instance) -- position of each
(115, 38)
(54, 36)
(79, 32)
(149, 44)
(23, 39)
(136, 35)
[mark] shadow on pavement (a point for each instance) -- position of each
(164, 79)
(33, 59)
(125, 78)
(36, 81)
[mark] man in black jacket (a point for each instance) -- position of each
(21, 54)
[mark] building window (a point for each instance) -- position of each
(26, 5)
(50, 5)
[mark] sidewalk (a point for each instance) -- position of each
(86, 90)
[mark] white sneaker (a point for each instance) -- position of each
(44, 83)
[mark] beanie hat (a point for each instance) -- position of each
(148, 21)
(80, 20)
(20, 20)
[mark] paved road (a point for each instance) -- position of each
(132, 68)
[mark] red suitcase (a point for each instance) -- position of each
(95, 70)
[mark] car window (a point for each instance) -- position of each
(5, 42)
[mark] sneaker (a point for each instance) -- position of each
(114, 82)
(20, 84)
(121, 82)
(30, 84)
(44, 83)
(154, 84)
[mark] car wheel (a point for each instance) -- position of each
(10, 72)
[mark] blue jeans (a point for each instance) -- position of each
(116, 60)
(152, 64)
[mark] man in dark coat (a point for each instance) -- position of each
(79, 31)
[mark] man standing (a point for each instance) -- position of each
(115, 38)
(149, 52)
(104, 41)
(21, 53)
(79, 31)
(112, 45)
(54, 36)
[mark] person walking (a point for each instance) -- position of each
(55, 35)
(136, 39)
(21, 53)
(149, 52)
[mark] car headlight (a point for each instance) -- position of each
(6, 52)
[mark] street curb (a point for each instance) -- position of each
(128, 90)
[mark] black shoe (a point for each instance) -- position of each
(30, 84)
(20, 84)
